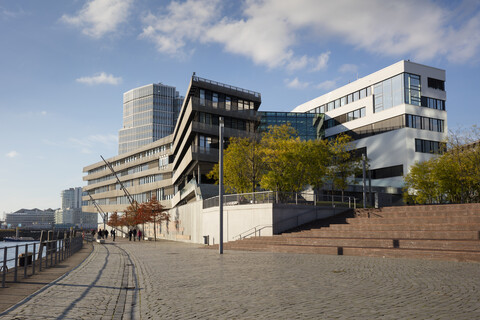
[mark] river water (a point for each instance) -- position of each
(10, 248)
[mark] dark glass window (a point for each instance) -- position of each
(436, 84)
(387, 172)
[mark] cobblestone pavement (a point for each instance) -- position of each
(180, 281)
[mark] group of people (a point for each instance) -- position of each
(133, 233)
(103, 234)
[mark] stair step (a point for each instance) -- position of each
(441, 232)
(405, 227)
(417, 220)
(446, 235)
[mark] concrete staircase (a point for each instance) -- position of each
(440, 232)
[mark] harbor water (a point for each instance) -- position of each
(11, 251)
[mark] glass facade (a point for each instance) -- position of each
(303, 123)
(149, 113)
(403, 88)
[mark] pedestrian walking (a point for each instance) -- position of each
(139, 234)
(113, 233)
(130, 233)
(134, 234)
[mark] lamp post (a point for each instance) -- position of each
(220, 182)
(364, 180)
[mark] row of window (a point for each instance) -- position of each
(150, 179)
(229, 122)
(221, 101)
(433, 103)
(352, 97)
(424, 123)
(353, 115)
(427, 146)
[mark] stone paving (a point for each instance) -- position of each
(169, 280)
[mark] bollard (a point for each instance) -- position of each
(4, 268)
(34, 260)
(26, 260)
(16, 264)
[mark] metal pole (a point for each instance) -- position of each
(220, 183)
(364, 181)
(4, 269)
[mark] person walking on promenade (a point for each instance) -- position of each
(106, 233)
(139, 234)
(134, 234)
(130, 233)
(113, 233)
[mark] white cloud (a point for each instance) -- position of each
(100, 78)
(327, 85)
(296, 84)
(348, 68)
(12, 154)
(99, 17)
(269, 31)
(88, 143)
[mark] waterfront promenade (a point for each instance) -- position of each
(169, 280)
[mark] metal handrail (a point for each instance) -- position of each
(255, 229)
(55, 252)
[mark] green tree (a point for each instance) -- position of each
(243, 166)
(453, 176)
(343, 165)
(421, 184)
(281, 152)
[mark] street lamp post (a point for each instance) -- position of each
(220, 182)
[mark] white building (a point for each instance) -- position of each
(71, 212)
(396, 116)
(72, 198)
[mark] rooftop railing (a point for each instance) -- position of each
(198, 79)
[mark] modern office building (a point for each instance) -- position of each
(71, 198)
(396, 116)
(31, 218)
(71, 213)
(149, 113)
(174, 167)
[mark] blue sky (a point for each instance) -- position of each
(65, 65)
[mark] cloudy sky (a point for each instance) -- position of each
(65, 65)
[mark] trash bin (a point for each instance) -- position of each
(23, 256)
(205, 240)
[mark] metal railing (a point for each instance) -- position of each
(252, 232)
(199, 79)
(30, 256)
(301, 198)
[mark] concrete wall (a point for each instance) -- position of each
(191, 223)
(286, 217)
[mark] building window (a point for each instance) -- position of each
(424, 123)
(388, 93)
(228, 103)
(433, 103)
(427, 146)
(205, 142)
(215, 100)
(412, 89)
(202, 97)
(387, 172)
(436, 84)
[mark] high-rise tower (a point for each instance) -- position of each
(149, 113)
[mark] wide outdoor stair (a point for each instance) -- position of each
(441, 232)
